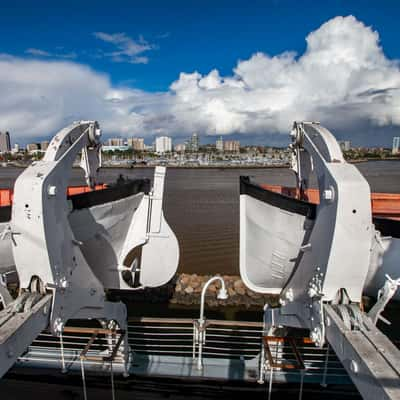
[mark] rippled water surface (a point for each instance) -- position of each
(202, 206)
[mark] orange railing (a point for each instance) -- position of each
(383, 204)
(6, 195)
(386, 205)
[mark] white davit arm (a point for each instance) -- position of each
(56, 283)
(324, 291)
(63, 267)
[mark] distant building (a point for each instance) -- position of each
(32, 147)
(194, 142)
(15, 148)
(163, 144)
(136, 143)
(5, 143)
(180, 148)
(345, 145)
(396, 145)
(114, 148)
(44, 145)
(219, 144)
(115, 142)
(232, 145)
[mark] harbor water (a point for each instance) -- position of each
(202, 206)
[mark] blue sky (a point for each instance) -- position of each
(158, 40)
(188, 35)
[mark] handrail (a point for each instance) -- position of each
(225, 340)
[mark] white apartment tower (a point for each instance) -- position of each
(163, 144)
(396, 145)
(194, 142)
(219, 144)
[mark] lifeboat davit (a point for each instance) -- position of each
(275, 222)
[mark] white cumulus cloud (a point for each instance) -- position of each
(43, 53)
(343, 79)
(127, 49)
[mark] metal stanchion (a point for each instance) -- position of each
(301, 384)
(83, 380)
(112, 381)
(324, 376)
(63, 367)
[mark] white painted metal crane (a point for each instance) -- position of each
(317, 259)
(59, 278)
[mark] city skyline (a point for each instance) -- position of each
(139, 71)
(139, 144)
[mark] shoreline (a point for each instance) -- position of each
(362, 160)
(212, 167)
(184, 290)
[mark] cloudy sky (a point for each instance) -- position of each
(244, 69)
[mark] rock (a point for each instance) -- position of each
(212, 288)
(195, 284)
(254, 295)
(198, 289)
(189, 290)
(241, 291)
(238, 284)
(184, 279)
(188, 287)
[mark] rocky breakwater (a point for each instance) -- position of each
(189, 286)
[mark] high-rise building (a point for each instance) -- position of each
(232, 145)
(115, 142)
(163, 144)
(5, 143)
(345, 145)
(396, 145)
(194, 142)
(180, 148)
(15, 148)
(219, 144)
(136, 143)
(44, 145)
(32, 147)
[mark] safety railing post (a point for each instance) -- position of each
(261, 369)
(201, 335)
(324, 376)
(63, 367)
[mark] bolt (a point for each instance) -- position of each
(316, 336)
(354, 366)
(289, 294)
(64, 283)
(312, 292)
(52, 190)
(58, 325)
(328, 194)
